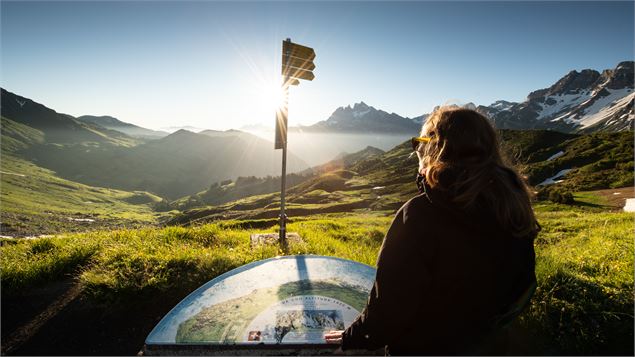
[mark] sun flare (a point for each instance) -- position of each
(272, 96)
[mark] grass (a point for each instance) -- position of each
(583, 305)
(124, 262)
(35, 202)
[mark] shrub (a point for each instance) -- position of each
(561, 197)
(555, 194)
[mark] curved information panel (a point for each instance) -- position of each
(284, 300)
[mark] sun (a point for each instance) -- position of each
(273, 96)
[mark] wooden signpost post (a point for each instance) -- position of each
(297, 63)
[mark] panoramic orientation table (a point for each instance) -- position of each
(278, 306)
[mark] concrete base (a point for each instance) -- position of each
(273, 238)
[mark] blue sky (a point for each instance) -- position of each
(217, 64)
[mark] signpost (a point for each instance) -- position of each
(297, 63)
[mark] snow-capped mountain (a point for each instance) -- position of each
(362, 118)
(496, 107)
(580, 101)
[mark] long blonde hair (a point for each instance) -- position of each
(464, 158)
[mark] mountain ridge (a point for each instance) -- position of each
(172, 166)
(113, 123)
(583, 101)
(362, 118)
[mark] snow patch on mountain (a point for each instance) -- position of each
(500, 105)
(606, 107)
(562, 102)
(551, 180)
(555, 156)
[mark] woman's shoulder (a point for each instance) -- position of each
(418, 206)
(433, 207)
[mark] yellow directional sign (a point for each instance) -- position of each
(301, 63)
(298, 73)
(293, 49)
(297, 61)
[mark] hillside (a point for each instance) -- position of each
(111, 123)
(225, 191)
(176, 165)
(35, 202)
(385, 181)
(598, 160)
(56, 127)
(16, 136)
(173, 166)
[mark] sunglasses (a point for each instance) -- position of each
(415, 141)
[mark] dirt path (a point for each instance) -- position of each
(616, 197)
(24, 333)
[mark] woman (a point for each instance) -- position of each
(457, 264)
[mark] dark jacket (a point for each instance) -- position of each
(443, 277)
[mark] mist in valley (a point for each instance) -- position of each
(319, 148)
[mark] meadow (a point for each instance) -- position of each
(583, 304)
(36, 202)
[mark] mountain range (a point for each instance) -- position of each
(87, 150)
(582, 101)
(57, 127)
(362, 118)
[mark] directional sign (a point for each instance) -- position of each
(295, 50)
(298, 73)
(297, 62)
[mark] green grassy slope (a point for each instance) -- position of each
(583, 305)
(179, 164)
(56, 127)
(34, 201)
(16, 136)
(599, 160)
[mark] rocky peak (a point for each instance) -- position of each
(572, 82)
(575, 81)
(360, 106)
(356, 110)
(622, 76)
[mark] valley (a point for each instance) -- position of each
(106, 225)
